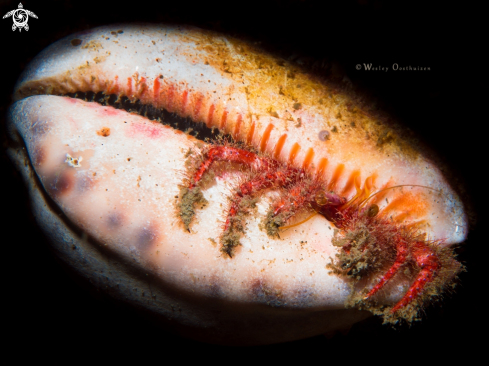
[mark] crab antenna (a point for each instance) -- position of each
(298, 223)
(398, 186)
(361, 192)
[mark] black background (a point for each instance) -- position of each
(49, 316)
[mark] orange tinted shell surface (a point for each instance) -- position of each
(120, 196)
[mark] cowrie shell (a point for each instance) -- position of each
(105, 205)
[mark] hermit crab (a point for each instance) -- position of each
(301, 210)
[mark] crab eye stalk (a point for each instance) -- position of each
(321, 198)
(373, 210)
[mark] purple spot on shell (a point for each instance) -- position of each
(214, 289)
(114, 221)
(323, 135)
(39, 128)
(83, 184)
(38, 155)
(145, 237)
(59, 184)
(262, 293)
(303, 297)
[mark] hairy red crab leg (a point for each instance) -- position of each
(402, 252)
(295, 200)
(429, 263)
(328, 209)
(425, 258)
(263, 181)
(286, 178)
(230, 154)
(249, 188)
